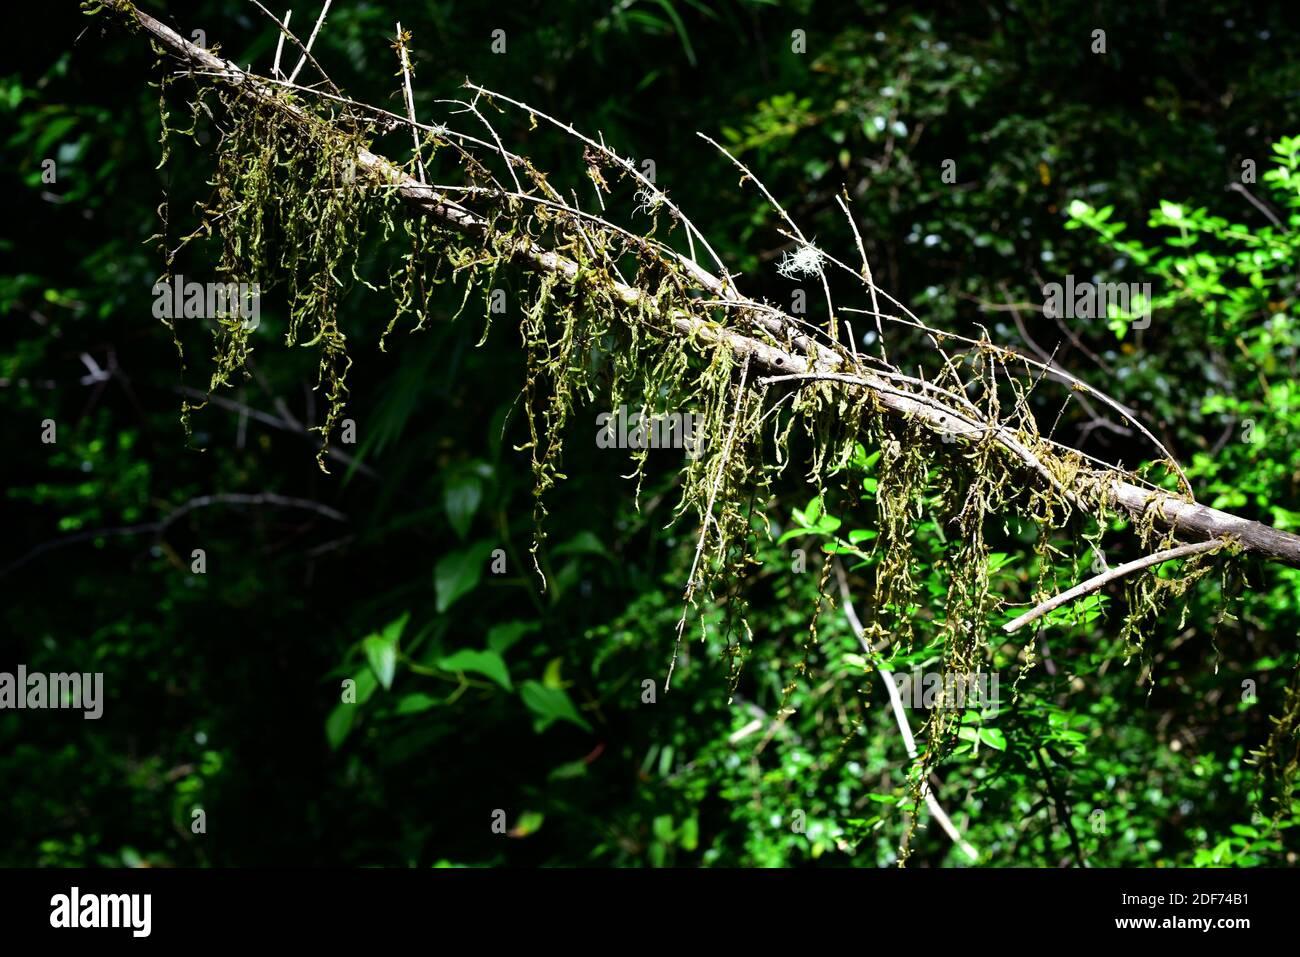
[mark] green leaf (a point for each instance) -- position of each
(568, 576)
(339, 724)
(827, 524)
(486, 663)
(999, 561)
(365, 685)
(393, 630)
(993, 738)
(530, 822)
(550, 705)
(690, 833)
(461, 496)
(1085, 611)
(382, 656)
(584, 543)
(566, 772)
(458, 572)
(501, 638)
(666, 761)
(680, 27)
(552, 676)
(381, 650)
(417, 702)
(663, 828)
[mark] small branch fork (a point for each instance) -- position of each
(306, 51)
(781, 345)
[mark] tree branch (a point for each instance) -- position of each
(1108, 576)
(900, 717)
(1186, 518)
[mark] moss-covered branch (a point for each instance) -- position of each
(782, 351)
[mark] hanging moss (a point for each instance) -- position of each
(1279, 759)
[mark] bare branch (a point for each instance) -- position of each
(279, 46)
(1108, 576)
(900, 716)
(866, 275)
(402, 39)
(306, 51)
(159, 527)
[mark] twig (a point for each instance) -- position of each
(496, 138)
(160, 526)
(1056, 372)
(306, 51)
(1272, 217)
(900, 716)
(279, 46)
(410, 99)
(798, 236)
(286, 422)
(1099, 581)
(866, 275)
(1062, 807)
(724, 287)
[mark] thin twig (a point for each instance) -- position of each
(725, 288)
(900, 716)
(159, 527)
(410, 99)
(866, 275)
(1110, 575)
(306, 51)
(279, 46)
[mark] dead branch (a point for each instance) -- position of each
(817, 361)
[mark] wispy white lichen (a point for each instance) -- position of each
(805, 261)
(649, 200)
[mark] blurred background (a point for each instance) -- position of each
(478, 693)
